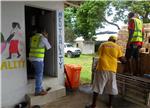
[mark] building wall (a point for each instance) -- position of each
(14, 72)
(87, 47)
(14, 77)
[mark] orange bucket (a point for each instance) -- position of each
(73, 72)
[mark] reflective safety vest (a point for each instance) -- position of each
(35, 49)
(137, 34)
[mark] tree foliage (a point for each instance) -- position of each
(83, 21)
(90, 16)
(69, 35)
(70, 15)
(140, 7)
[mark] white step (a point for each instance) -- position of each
(56, 92)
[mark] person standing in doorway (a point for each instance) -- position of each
(105, 75)
(135, 41)
(38, 44)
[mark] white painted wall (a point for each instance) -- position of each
(88, 47)
(14, 77)
(14, 74)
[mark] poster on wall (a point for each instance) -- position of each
(12, 48)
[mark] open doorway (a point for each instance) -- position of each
(45, 19)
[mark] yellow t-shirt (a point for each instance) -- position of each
(108, 54)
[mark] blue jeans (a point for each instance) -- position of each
(38, 67)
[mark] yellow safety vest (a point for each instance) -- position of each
(137, 34)
(35, 49)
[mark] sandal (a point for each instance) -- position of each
(41, 93)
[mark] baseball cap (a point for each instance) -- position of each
(113, 37)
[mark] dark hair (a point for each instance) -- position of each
(131, 14)
(15, 24)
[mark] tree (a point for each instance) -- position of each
(140, 7)
(89, 17)
(83, 21)
(69, 35)
(70, 14)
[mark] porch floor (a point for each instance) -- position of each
(83, 96)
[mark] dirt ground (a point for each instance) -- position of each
(83, 96)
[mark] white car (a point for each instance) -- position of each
(71, 51)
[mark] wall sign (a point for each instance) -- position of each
(8, 65)
(60, 37)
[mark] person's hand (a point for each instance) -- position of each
(123, 60)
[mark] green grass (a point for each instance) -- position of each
(85, 61)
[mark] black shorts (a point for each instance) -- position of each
(133, 51)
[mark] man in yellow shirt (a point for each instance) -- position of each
(105, 75)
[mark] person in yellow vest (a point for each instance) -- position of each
(38, 45)
(135, 41)
(105, 75)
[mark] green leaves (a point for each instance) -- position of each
(140, 7)
(90, 17)
(70, 21)
(83, 21)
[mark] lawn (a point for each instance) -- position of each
(85, 61)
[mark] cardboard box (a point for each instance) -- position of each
(145, 63)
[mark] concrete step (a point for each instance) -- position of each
(47, 82)
(56, 91)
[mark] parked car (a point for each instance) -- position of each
(71, 51)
